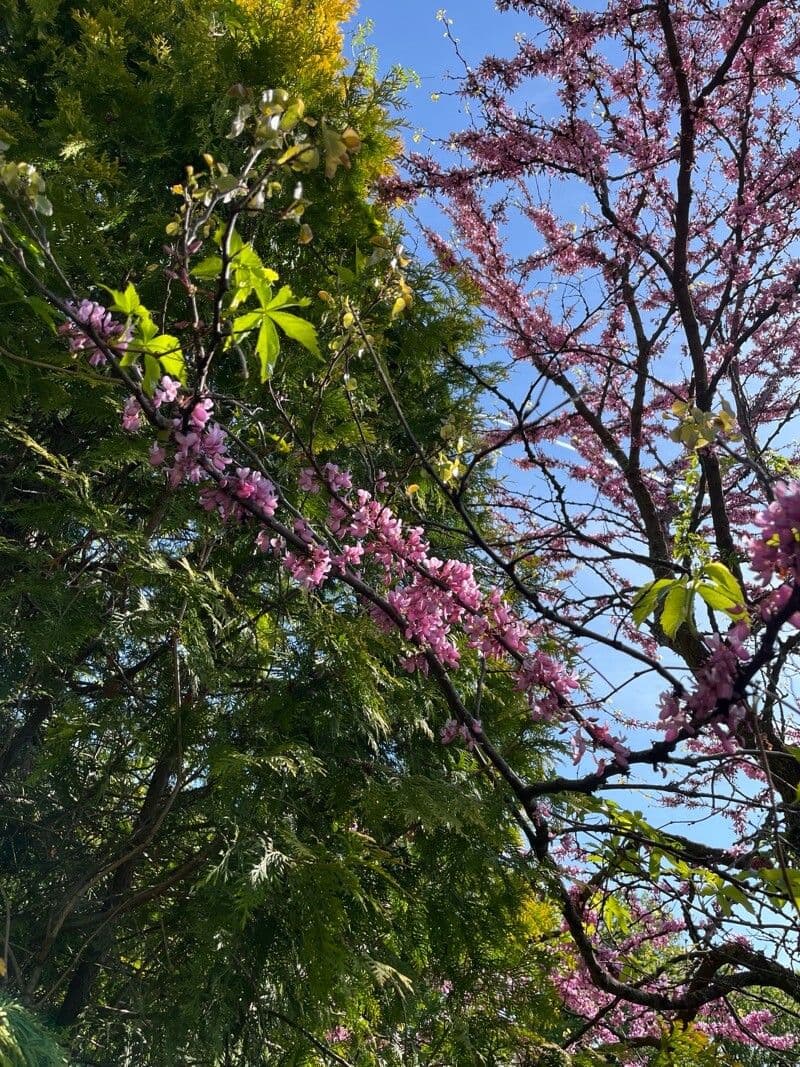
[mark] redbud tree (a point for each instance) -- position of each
(651, 534)
(633, 240)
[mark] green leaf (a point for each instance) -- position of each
(261, 287)
(208, 268)
(648, 596)
(128, 303)
(175, 366)
(616, 915)
(677, 608)
(146, 328)
(247, 257)
(299, 330)
(243, 287)
(164, 344)
(736, 895)
(717, 599)
(786, 881)
(723, 579)
(654, 864)
(242, 324)
(152, 373)
(267, 348)
(168, 350)
(284, 298)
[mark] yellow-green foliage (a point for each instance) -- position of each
(309, 29)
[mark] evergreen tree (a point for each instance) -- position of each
(230, 834)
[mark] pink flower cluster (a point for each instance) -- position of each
(617, 952)
(452, 729)
(200, 446)
(715, 686)
(199, 443)
(599, 736)
(581, 996)
(439, 601)
(775, 601)
(105, 326)
(547, 683)
(338, 1035)
(338, 481)
(132, 415)
(776, 551)
(749, 1029)
(227, 496)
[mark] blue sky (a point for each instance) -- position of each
(408, 33)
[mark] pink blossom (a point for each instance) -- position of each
(89, 313)
(338, 481)
(201, 413)
(166, 392)
(307, 480)
(777, 548)
(132, 415)
(158, 454)
(338, 1035)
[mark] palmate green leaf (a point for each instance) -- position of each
(167, 349)
(285, 298)
(300, 330)
(127, 302)
(268, 341)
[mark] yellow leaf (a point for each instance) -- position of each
(352, 141)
